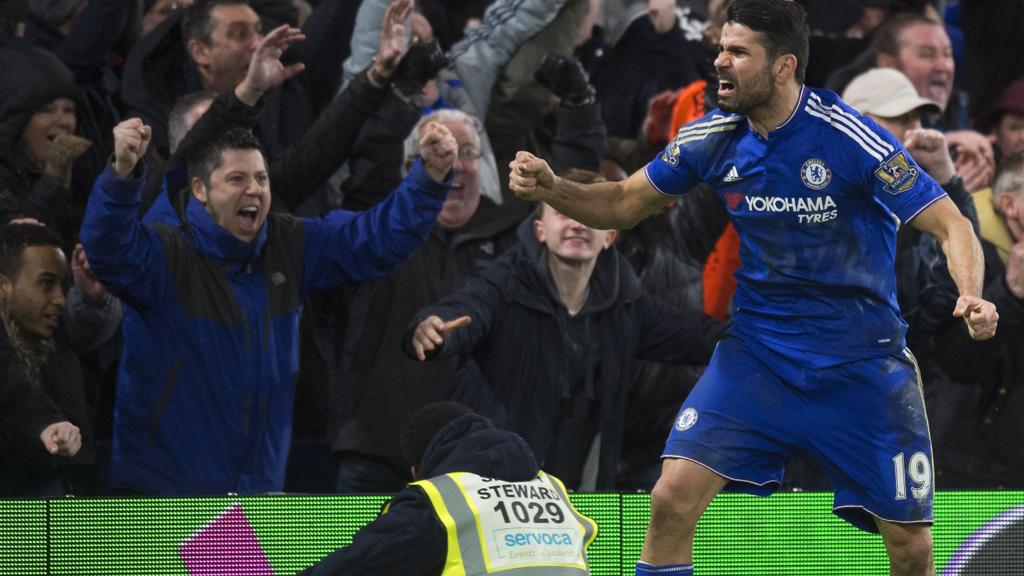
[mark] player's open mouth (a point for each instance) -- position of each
(726, 87)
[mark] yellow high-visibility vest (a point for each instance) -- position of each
(511, 528)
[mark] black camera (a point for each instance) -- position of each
(421, 63)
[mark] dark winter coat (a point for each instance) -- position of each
(377, 387)
(27, 408)
(158, 72)
(984, 446)
(512, 355)
(30, 78)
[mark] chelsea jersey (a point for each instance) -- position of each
(817, 205)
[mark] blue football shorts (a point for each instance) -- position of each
(863, 422)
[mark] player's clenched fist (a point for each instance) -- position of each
(980, 315)
(431, 332)
(438, 149)
(131, 139)
(529, 177)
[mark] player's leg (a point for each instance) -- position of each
(681, 495)
(909, 547)
(727, 434)
(870, 433)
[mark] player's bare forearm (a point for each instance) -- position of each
(600, 205)
(966, 264)
(964, 257)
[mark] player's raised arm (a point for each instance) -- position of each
(602, 205)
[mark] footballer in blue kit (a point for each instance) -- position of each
(815, 360)
(817, 341)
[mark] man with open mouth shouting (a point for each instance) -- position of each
(207, 378)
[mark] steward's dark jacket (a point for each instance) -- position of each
(408, 538)
(516, 338)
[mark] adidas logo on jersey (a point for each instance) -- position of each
(732, 176)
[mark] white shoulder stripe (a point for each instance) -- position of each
(702, 125)
(842, 128)
(885, 145)
(865, 128)
(695, 136)
(834, 117)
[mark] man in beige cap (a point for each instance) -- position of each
(890, 99)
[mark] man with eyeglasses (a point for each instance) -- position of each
(374, 386)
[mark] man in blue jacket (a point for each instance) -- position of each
(206, 382)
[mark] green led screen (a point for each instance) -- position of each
(977, 533)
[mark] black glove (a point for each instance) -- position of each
(566, 78)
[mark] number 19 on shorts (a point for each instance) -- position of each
(920, 472)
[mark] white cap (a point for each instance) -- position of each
(886, 93)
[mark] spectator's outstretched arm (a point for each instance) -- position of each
(26, 412)
(377, 25)
(579, 129)
(372, 243)
(406, 539)
(458, 323)
(305, 166)
(92, 315)
(479, 57)
(125, 255)
(242, 106)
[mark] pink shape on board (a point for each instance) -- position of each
(227, 545)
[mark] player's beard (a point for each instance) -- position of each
(752, 94)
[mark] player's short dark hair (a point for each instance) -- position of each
(782, 24)
(886, 39)
(198, 22)
(424, 424)
(207, 155)
(15, 238)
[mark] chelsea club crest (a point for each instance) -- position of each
(815, 174)
(687, 418)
